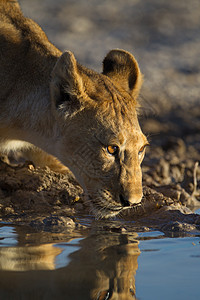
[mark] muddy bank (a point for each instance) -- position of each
(26, 191)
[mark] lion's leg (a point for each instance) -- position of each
(42, 159)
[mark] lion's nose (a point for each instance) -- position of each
(131, 201)
(124, 201)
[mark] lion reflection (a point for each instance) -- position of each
(103, 268)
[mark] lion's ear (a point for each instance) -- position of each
(122, 68)
(66, 82)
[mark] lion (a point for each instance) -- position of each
(70, 116)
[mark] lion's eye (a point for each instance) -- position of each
(105, 295)
(112, 149)
(142, 149)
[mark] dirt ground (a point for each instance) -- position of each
(165, 38)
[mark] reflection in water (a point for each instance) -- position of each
(109, 263)
(102, 266)
(28, 258)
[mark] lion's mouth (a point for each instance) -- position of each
(105, 211)
(103, 207)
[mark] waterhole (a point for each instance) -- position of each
(97, 263)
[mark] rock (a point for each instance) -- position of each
(54, 223)
(178, 227)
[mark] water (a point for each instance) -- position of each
(169, 268)
(97, 264)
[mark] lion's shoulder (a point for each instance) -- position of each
(26, 54)
(18, 29)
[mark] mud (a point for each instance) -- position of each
(164, 37)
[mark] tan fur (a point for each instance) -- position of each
(72, 113)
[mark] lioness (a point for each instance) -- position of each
(87, 120)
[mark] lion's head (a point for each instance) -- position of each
(100, 139)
